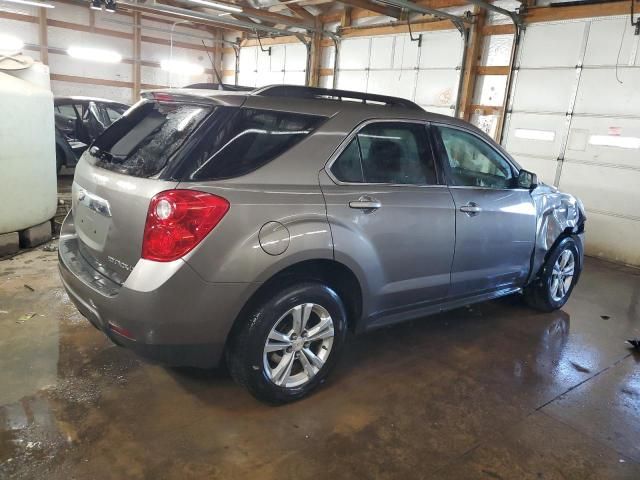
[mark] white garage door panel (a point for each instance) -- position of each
(576, 60)
(602, 229)
(277, 58)
(437, 87)
(552, 45)
(296, 57)
(392, 82)
(286, 64)
(382, 52)
(601, 93)
(247, 78)
(613, 129)
(394, 65)
(604, 42)
(269, 78)
(354, 54)
(601, 188)
(264, 62)
(544, 90)
(356, 80)
(441, 50)
(405, 53)
(295, 78)
(544, 168)
(526, 129)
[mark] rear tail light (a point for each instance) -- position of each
(178, 220)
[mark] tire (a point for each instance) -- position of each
(544, 293)
(271, 325)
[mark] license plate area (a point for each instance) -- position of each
(93, 219)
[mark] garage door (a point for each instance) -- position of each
(575, 120)
(286, 64)
(395, 65)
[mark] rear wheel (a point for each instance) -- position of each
(555, 282)
(289, 344)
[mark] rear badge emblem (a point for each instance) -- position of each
(119, 263)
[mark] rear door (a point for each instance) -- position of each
(390, 216)
(115, 181)
(495, 219)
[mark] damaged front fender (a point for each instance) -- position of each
(557, 213)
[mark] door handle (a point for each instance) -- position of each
(472, 209)
(365, 203)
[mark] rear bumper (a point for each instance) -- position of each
(183, 320)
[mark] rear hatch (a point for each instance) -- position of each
(122, 171)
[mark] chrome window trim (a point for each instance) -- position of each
(475, 134)
(345, 143)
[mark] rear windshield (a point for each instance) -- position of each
(142, 142)
(197, 143)
(237, 141)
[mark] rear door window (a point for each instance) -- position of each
(143, 142)
(242, 140)
(396, 153)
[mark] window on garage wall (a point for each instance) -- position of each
(286, 64)
(395, 65)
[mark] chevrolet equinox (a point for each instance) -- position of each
(261, 226)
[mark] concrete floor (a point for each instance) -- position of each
(492, 391)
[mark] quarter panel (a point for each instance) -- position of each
(232, 251)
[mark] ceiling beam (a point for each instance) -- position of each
(277, 18)
(301, 12)
(374, 7)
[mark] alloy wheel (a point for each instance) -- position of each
(298, 345)
(562, 275)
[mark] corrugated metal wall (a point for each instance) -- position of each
(112, 32)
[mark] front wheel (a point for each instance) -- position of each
(289, 344)
(555, 282)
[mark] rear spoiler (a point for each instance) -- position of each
(192, 96)
(220, 86)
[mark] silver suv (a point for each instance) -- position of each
(262, 226)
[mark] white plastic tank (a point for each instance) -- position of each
(28, 188)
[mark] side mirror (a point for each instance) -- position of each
(527, 179)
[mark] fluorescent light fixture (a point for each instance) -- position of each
(94, 54)
(10, 44)
(218, 6)
(528, 134)
(32, 3)
(178, 66)
(615, 141)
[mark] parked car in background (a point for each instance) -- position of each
(263, 225)
(79, 120)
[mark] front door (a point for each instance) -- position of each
(495, 219)
(391, 217)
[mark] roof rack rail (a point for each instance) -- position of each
(297, 91)
(220, 86)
